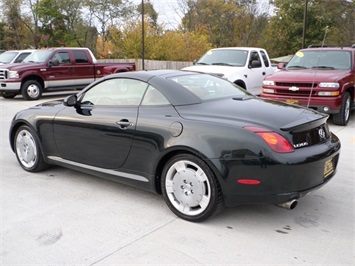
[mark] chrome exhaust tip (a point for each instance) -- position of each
(290, 205)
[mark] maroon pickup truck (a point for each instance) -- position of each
(321, 78)
(55, 69)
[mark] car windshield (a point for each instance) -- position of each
(38, 56)
(6, 57)
(230, 57)
(322, 59)
(208, 87)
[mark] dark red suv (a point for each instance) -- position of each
(321, 78)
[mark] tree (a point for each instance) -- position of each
(150, 12)
(328, 20)
(180, 46)
(15, 34)
(341, 23)
(108, 13)
(226, 22)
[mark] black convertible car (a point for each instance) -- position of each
(199, 140)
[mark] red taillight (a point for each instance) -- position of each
(276, 142)
(248, 181)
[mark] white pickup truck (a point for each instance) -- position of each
(14, 56)
(245, 66)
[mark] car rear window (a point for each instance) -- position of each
(207, 86)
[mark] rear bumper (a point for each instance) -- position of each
(329, 105)
(281, 177)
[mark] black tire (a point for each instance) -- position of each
(28, 151)
(31, 90)
(190, 189)
(8, 95)
(342, 118)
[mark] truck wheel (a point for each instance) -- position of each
(342, 118)
(31, 90)
(8, 95)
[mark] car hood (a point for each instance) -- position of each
(20, 66)
(215, 69)
(254, 111)
(308, 75)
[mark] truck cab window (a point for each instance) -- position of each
(61, 58)
(254, 61)
(264, 56)
(80, 57)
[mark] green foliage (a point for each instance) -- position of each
(113, 28)
(14, 33)
(225, 22)
(150, 11)
(328, 21)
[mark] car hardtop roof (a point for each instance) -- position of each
(25, 50)
(238, 48)
(148, 74)
(333, 48)
(61, 48)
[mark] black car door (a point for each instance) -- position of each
(100, 132)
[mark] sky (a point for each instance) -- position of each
(168, 11)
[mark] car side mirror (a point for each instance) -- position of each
(280, 65)
(194, 62)
(54, 62)
(71, 100)
(255, 64)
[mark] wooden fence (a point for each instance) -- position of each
(151, 64)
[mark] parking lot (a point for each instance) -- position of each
(63, 217)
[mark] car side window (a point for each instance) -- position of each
(22, 56)
(116, 91)
(64, 57)
(254, 60)
(266, 61)
(61, 58)
(80, 57)
(154, 97)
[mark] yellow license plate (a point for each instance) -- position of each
(292, 101)
(328, 168)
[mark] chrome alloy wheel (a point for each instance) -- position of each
(33, 91)
(188, 188)
(26, 149)
(347, 109)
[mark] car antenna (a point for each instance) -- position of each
(315, 73)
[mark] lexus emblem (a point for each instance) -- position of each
(294, 88)
(321, 133)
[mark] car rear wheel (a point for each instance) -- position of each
(27, 150)
(31, 90)
(190, 189)
(342, 118)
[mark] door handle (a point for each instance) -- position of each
(124, 123)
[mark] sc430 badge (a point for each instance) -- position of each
(299, 145)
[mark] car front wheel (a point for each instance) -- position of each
(31, 90)
(190, 189)
(342, 118)
(27, 150)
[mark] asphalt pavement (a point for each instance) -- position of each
(63, 217)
